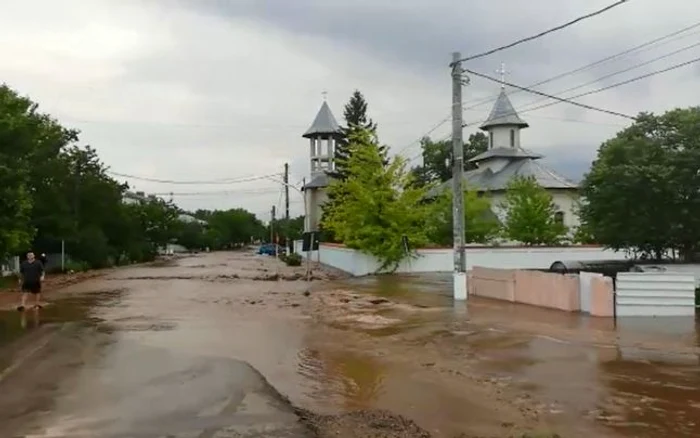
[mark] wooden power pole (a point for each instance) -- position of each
(460, 263)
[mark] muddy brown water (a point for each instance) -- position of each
(580, 376)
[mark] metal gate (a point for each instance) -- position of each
(654, 294)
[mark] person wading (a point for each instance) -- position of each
(31, 275)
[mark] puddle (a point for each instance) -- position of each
(635, 376)
(14, 324)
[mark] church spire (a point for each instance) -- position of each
(503, 114)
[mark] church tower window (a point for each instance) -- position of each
(491, 140)
(512, 138)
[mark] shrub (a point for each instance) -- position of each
(292, 259)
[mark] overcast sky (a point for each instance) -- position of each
(201, 90)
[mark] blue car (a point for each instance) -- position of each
(269, 249)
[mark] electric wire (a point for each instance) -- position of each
(676, 35)
(195, 182)
(588, 93)
(625, 70)
(667, 38)
(541, 34)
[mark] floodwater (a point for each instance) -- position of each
(208, 347)
(636, 377)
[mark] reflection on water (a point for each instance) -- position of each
(342, 378)
(638, 376)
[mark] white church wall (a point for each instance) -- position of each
(441, 259)
(315, 198)
(566, 202)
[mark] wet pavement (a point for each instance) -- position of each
(209, 346)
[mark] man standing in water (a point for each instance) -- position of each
(31, 275)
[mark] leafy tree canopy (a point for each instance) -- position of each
(437, 162)
(643, 190)
(531, 214)
(379, 205)
(480, 223)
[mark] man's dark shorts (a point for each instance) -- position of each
(34, 288)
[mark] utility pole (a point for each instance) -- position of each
(460, 262)
(286, 191)
(272, 225)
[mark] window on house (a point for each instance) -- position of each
(490, 139)
(559, 217)
(512, 138)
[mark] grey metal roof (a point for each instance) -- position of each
(503, 152)
(484, 179)
(319, 181)
(503, 113)
(324, 123)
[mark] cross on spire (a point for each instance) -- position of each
(325, 95)
(503, 72)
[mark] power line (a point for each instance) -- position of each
(625, 70)
(582, 105)
(588, 93)
(442, 122)
(219, 192)
(541, 34)
(646, 45)
(169, 181)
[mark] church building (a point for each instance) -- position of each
(323, 135)
(505, 159)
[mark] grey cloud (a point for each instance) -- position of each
(420, 35)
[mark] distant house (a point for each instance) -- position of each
(505, 159)
(188, 218)
(133, 197)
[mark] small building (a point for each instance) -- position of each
(323, 134)
(133, 197)
(505, 159)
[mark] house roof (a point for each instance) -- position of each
(502, 152)
(503, 114)
(484, 179)
(324, 123)
(319, 181)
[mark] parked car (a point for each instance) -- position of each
(269, 249)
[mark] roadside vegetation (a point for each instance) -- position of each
(56, 190)
(642, 195)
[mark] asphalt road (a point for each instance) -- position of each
(94, 367)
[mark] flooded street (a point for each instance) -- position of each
(235, 345)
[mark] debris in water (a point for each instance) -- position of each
(362, 424)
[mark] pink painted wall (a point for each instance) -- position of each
(602, 297)
(543, 289)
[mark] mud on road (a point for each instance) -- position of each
(234, 344)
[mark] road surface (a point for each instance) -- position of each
(237, 345)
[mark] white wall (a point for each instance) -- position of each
(315, 198)
(565, 200)
(441, 260)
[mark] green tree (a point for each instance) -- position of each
(193, 236)
(30, 146)
(643, 190)
(481, 224)
(531, 214)
(235, 227)
(356, 119)
(437, 155)
(290, 229)
(379, 205)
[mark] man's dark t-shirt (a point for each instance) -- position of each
(31, 272)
